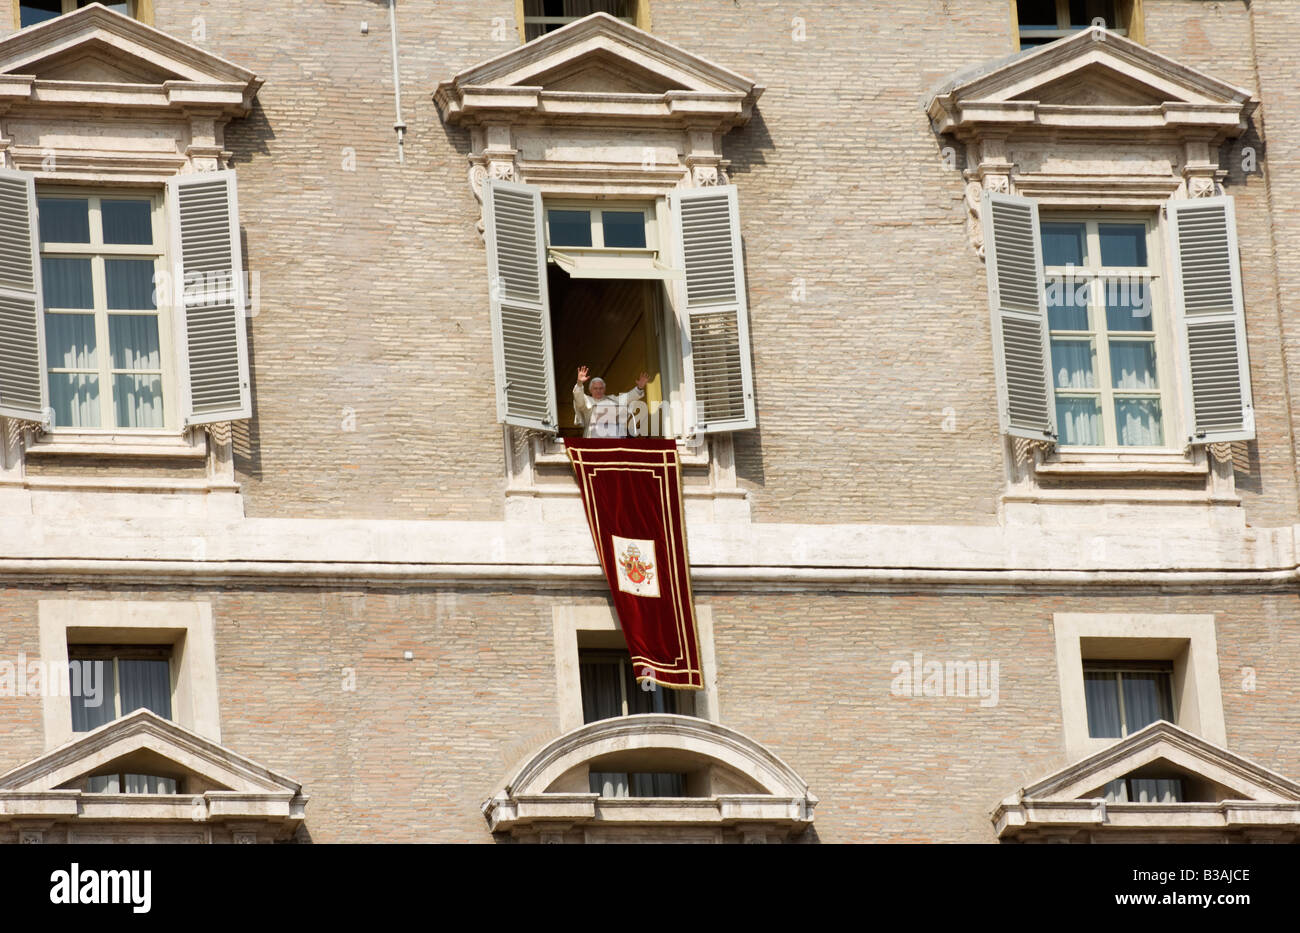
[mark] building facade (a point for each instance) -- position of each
(969, 317)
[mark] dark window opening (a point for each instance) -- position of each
(543, 16)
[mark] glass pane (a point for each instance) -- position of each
(1079, 421)
(91, 686)
(601, 696)
(1146, 699)
(1128, 305)
(1101, 696)
(649, 697)
(127, 222)
(1133, 364)
(64, 220)
(1067, 303)
(1062, 244)
(1123, 244)
(70, 341)
(130, 284)
(66, 283)
(1116, 791)
(104, 784)
(1072, 364)
(133, 340)
(149, 784)
(138, 401)
(623, 229)
(75, 400)
(1037, 13)
(146, 683)
(570, 228)
(657, 784)
(607, 783)
(1155, 790)
(1138, 423)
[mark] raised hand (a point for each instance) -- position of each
(642, 379)
(582, 374)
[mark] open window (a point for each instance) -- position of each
(617, 287)
(34, 12)
(1041, 21)
(538, 17)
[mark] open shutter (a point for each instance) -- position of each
(22, 331)
(715, 331)
(212, 347)
(1215, 367)
(1018, 305)
(520, 306)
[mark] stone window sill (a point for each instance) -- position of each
(550, 452)
(1117, 462)
(179, 445)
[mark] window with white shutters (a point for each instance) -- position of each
(22, 351)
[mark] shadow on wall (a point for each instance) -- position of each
(247, 136)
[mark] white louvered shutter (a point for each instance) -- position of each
(715, 328)
(1018, 306)
(1215, 366)
(22, 331)
(520, 306)
(212, 347)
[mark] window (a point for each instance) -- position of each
(543, 16)
(610, 690)
(107, 346)
(1145, 790)
(1042, 21)
(1125, 697)
(31, 12)
(126, 678)
(610, 226)
(1108, 346)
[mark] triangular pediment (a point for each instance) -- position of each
(600, 54)
(145, 743)
(1164, 750)
(97, 45)
(1105, 81)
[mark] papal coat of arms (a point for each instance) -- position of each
(636, 566)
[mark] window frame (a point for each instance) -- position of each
(98, 252)
(640, 19)
(139, 10)
(1168, 371)
(1128, 22)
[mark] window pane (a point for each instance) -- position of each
(658, 784)
(623, 229)
(1116, 791)
(1133, 364)
(133, 339)
(127, 222)
(1155, 790)
(1072, 364)
(1101, 696)
(64, 220)
(130, 284)
(655, 700)
(70, 341)
(138, 402)
(1079, 421)
(75, 400)
(1128, 305)
(1138, 423)
(146, 684)
(148, 784)
(1067, 303)
(1063, 244)
(104, 784)
(601, 695)
(1037, 13)
(607, 783)
(92, 692)
(570, 228)
(66, 283)
(1146, 699)
(1123, 244)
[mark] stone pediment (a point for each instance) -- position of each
(598, 67)
(1223, 792)
(100, 57)
(1095, 81)
(143, 742)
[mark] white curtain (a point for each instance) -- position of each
(146, 683)
(1101, 697)
(1146, 699)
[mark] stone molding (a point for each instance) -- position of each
(777, 803)
(1252, 798)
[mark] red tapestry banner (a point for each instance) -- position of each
(632, 491)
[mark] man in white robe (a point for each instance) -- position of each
(604, 415)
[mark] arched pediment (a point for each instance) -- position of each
(741, 782)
